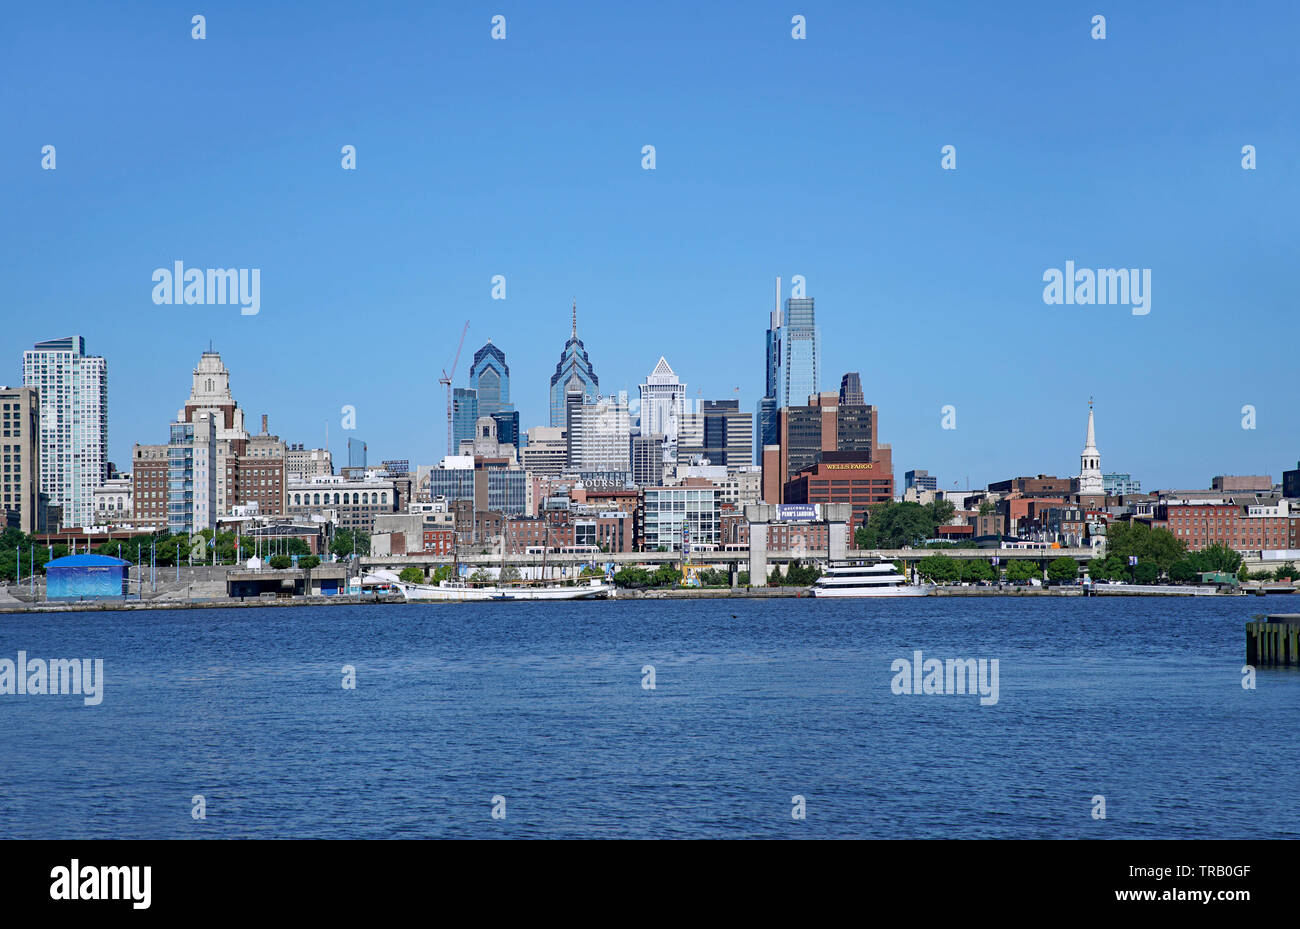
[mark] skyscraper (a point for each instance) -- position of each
(720, 432)
(765, 426)
(851, 388)
(489, 377)
(663, 397)
(73, 392)
(356, 453)
(799, 343)
(464, 413)
(20, 484)
(574, 367)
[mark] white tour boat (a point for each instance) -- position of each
(459, 591)
(866, 580)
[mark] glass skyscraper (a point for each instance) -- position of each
(799, 343)
(489, 377)
(464, 413)
(574, 368)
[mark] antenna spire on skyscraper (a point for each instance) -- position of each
(575, 318)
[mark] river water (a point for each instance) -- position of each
(548, 708)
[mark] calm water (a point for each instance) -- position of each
(1139, 700)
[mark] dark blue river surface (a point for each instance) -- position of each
(1138, 700)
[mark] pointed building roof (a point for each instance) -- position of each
(1090, 443)
(663, 368)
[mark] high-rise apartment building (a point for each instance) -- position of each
(647, 460)
(20, 482)
(192, 474)
(574, 369)
(464, 413)
(73, 391)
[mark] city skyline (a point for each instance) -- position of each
(928, 282)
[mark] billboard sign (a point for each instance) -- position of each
(796, 512)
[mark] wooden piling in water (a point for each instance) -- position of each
(1274, 642)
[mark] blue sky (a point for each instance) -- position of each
(818, 157)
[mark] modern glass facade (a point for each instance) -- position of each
(180, 479)
(668, 509)
(356, 453)
(508, 428)
(489, 377)
(464, 412)
(799, 341)
(575, 368)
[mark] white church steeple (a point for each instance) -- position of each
(1090, 480)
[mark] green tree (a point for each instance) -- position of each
(942, 569)
(977, 569)
(1146, 572)
(1243, 574)
(632, 576)
(1022, 570)
(666, 576)
(480, 577)
(346, 539)
(939, 511)
(440, 574)
(1159, 546)
(1063, 569)
(1183, 571)
(1285, 573)
(279, 562)
(509, 574)
(307, 562)
(411, 575)
(1216, 557)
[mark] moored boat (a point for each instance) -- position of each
(453, 591)
(880, 579)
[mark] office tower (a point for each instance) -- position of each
(20, 483)
(191, 475)
(719, 432)
(507, 427)
(851, 389)
(489, 377)
(647, 460)
(799, 344)
(663, 399)
(464, 413)
(73, 391)
(807, 433)
(546, 452)
(574, 368)
(600, 435)
(920, 479)
(356, 454)
(765, 418)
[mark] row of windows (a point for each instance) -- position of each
(379, 497)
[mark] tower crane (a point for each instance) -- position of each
(445, 380)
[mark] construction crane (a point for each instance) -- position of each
(445, 380)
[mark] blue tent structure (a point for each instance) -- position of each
(86, 577)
